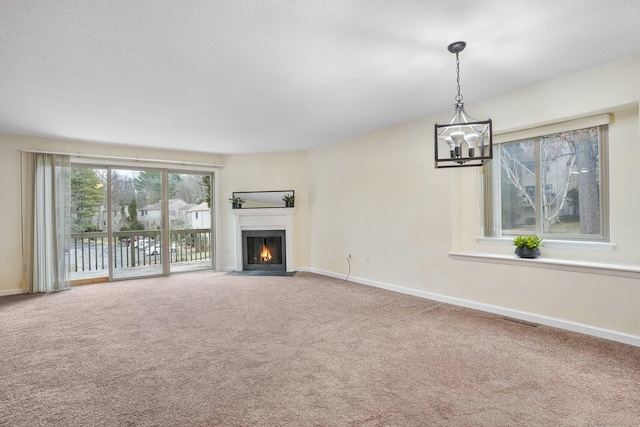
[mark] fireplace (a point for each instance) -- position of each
(276, 222)
(264, 250)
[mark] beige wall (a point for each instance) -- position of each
(265, 172)
(378, 196)
(279, 171)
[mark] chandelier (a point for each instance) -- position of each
(464, 141)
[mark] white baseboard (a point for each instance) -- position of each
(16, 291)
(503, 311)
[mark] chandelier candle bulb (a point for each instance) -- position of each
(452, 146)
(471, 139)
(458, 137)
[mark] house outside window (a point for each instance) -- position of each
(553, 185)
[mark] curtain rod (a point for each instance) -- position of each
(121, 158)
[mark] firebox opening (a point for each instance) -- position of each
(264, 250)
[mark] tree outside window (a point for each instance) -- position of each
(87, 198)
(551, 185)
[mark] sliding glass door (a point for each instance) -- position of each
(190, 221)
(129, 223)
(137, 215)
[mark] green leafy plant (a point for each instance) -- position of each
(528, 242)
(236, 200)
(288, 198)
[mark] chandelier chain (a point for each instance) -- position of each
(459, 96)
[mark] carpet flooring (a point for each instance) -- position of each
(209, 349)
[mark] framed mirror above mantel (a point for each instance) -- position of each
(264, 199)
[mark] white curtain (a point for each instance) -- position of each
(51, 222)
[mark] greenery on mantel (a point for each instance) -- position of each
(236, 202)
(288, 200)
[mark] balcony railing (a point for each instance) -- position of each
(89, 252)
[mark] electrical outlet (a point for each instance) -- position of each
(368, 261)
(349, 258)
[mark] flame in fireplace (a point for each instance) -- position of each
(265, 254)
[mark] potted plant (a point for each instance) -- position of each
(288, 200)
(527, 246)
(236, 202)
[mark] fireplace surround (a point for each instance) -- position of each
(265, 220)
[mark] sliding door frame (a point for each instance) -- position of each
(165, 170)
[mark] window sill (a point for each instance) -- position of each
(620, 270)
(560, 244)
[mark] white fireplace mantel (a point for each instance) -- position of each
(265, 219)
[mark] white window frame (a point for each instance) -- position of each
(492, 203)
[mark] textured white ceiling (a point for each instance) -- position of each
(240, 76)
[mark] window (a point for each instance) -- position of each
(550, 184)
